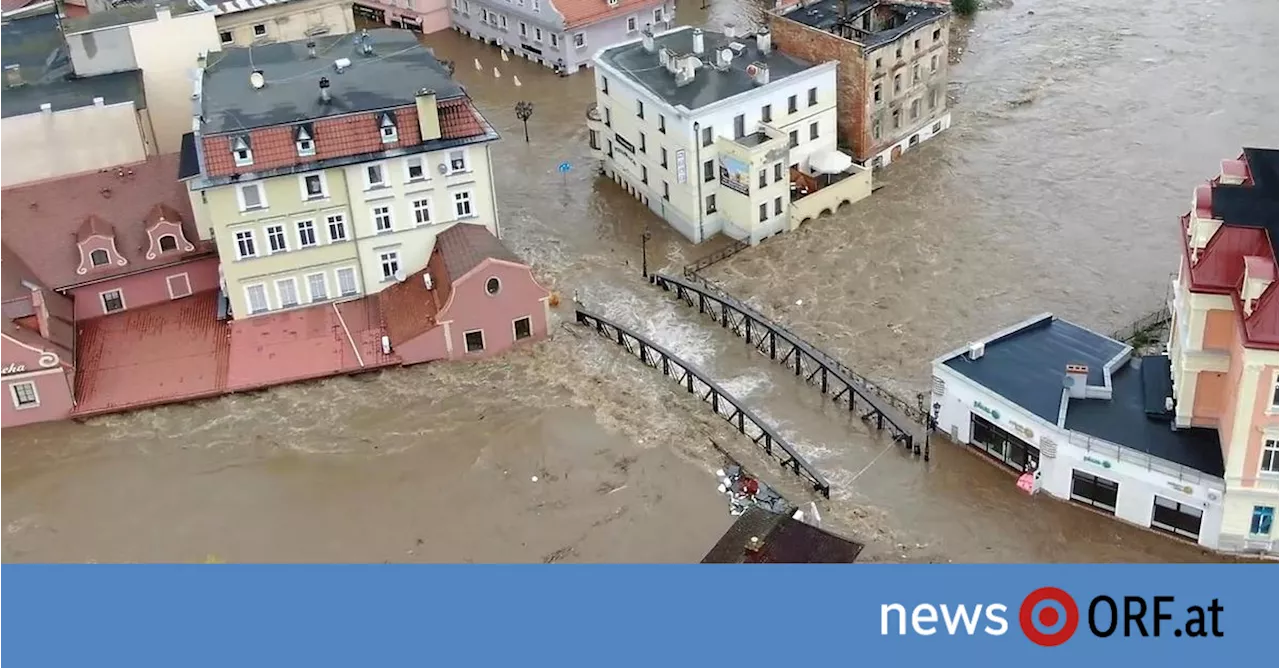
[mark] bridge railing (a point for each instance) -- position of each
(722, 403)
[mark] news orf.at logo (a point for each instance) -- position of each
(1049, 617)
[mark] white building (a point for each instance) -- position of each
(705, 128)
(1090, 422)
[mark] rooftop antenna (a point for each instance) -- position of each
(324, 90)
(257, 80)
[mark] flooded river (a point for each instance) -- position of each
(1079, 130)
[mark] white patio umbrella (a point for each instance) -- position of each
(830, 162)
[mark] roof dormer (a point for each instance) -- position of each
(1259, 274)
(164, 233)
(96, 240)
(387, 128)
(304, 140)
(242, 150)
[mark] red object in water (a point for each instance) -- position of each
(750, 486)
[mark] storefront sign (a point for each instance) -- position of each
(1022, 431)
(10, 369)
(682, 167)
(734, 174)
(1097, 462)
(995, 414)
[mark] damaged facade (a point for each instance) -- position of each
(892, 86)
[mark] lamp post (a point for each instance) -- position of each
(644, 253)
(920, 407)
(933, 424)
(524, 110)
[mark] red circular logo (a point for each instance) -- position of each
(1048, 616)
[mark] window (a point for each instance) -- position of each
(711, 203)
(813, 96)
(523, 328)
(777, 206)
(937, 33)
(462, 204)
(306, 233)
(933, 64)
(225, 37)
(502, 20)
(640, 108)
(1275, 393)
(474, 341)
(112, 301)
(662, 124)
(777, 172)
(579, 40)
(250, 195)
(657, 15)
(706, 136)
(795, 138)
(875, 94)
(915, 74)
(421, 211)
(168, 243)
(245, 246)
(608, 118)
(524, 29)
(457, 161)
(243, 156)
(555, 39)
(933, 99)
(916, 45)
(413, 169)
(766, 113)
(1094, 491)
(813, 130)
(879, 63)
(631, 24)
(937, 127)
(390, 262)
(1177, 518)
(24, 395)
(708, 171)
(537, 34)
(664, 157)
(898, 51)
(875, 129)
(537, 5)
(347, 281)
(764, 178)
(257, 296)
(305, 147)
(337, 224)
(1263, 516)
(373, 177)
(382, 219)
(739, 126)
(493, 285)
(318, 287)
(791, 105)
(666, 191)
(1270, 457)
(897, 120)
(287, 292)
(764, 212)
(897, 83)
(915, 109)
(313, 186)
(644, 147)
(259, 30)
(604, 85)
(644, 175)
(275, 239)
(99, 258)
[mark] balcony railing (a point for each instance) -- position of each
(1144, 460)
(813, 196)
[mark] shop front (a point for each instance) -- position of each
(370, 13)
(1001, 445)
(1180, 519)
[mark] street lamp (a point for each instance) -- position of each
(644, 253)
(523, 111)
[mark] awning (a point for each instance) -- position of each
(830, 162)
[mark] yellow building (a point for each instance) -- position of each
(348, 198)
(243, 23)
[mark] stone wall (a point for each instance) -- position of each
(817, 46)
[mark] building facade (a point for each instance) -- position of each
(711, 130)
(1223, 339)
(265, 21)
(560, 34)
(424, 16)
(347, 197)
(1078, 416)
(37, 347)
(893, 67)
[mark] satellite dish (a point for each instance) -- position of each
(752, 70)
(257, 80)
(399, 276)
(726, 55)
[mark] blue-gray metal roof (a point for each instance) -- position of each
(844, 18)
(389, 77)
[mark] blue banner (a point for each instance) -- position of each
(784, 616)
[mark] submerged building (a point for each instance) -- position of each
(892, 90)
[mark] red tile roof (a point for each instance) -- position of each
(464, 246)
(339, 137)
(578, 13)
(42, 220)
(409, 309)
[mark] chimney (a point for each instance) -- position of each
(667, 59)
(162, 12)
(688, 70)
(324, 90)
(311, 49)
(12, 76)
(730, 31)
(759, 73)
(1075, 380)
(42, 313)
(723, 58)
(428, 114)
(764, 41)
(697, 41)
(647, 39)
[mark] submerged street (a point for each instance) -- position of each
(1079, 130)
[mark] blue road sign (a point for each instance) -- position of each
(564, 167)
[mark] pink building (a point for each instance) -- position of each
(475, 298)
(424, 16)
(1224, 336)
(80, 247)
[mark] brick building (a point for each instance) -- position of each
(892, 85)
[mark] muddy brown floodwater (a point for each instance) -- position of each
(1079, 131)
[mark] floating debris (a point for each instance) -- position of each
(744, 491)
(478, 65)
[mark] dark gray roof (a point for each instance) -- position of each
(1125, 420)
(1253, 205)
(893, 19)
(398, 68)
(1026, 366)
(709, 84)
(36, 46)
(783, 540)
(133, 11)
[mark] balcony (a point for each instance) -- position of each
(595, 131)
(817, 194)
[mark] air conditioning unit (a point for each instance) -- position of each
(976, 350)
(386, 345)
(426, 280)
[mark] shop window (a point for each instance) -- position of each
(1177, 518)
(1093, 491)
